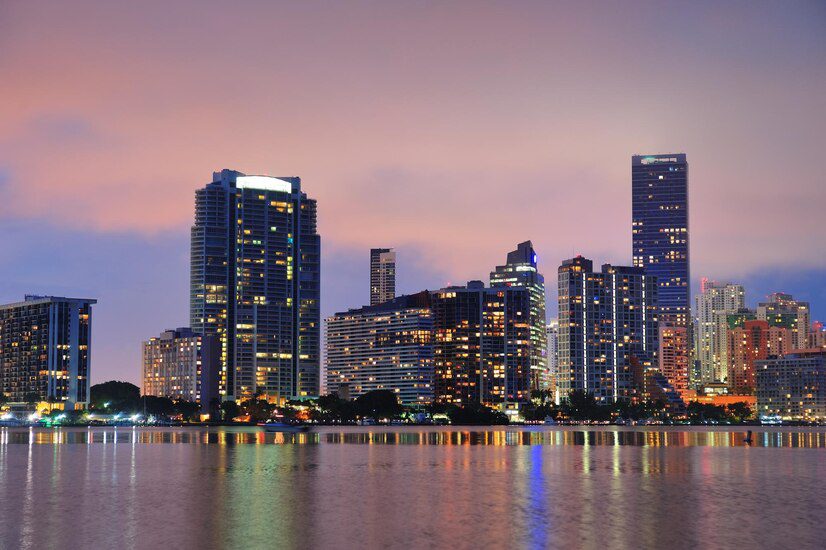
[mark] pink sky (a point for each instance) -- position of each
(451, 130)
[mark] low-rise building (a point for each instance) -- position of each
(386, 346)
(793, 387)
(181, 364)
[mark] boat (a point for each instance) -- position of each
(549, 421)
(283, 427)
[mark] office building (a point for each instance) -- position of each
(553, 354)
(482, 346)
(382, 275)
(751, 342)
(659, 229)
(714, 302)
(181, 364)
(520, 270)
(608, 325)
(255, 278)
(387, 346)
(782, 310)
(793, 387)
(44, 351)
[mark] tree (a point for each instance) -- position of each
(476, 414)
(257, 408)
(189, 410)
(378, 404)
(582, 405)
(739, 411)
(121, 396)
(229, 410)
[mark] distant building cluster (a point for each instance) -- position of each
(623, 332)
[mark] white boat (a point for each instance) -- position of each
(281, 427)
(549, 421)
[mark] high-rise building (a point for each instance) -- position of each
(673, 362)
(521, 271)
(751, 342)
(482, 345)
(784, 311)
(793, 386)
(255, 284)
(44, 351)
(659, 229)
(553, 354)
(608, 326)
(382, 275)
(714, 302)
(181, 364)
(387, 346)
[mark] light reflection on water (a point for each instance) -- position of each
(650, 437)
(412, 488)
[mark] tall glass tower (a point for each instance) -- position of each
(521, 271)
(255, 283)
(382, 275)
(659, 228)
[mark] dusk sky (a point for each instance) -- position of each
(450, 131)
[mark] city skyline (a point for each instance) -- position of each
(92, 208)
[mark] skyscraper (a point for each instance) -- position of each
(714, 303)
(553, 353)
(255, 283)
(44, 351)
(521, 271)
(382, 275)
(783, 310)
(481, 346)
(608, 327)
(659, 228)
(387, 346)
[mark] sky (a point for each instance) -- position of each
(449, 130)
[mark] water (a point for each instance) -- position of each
(412, 488)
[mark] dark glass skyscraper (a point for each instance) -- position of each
(521, 271)
(659, 228)
(481, 346)
(607, 328)
(255, 283)
(382, 275)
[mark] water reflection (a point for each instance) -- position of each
(412, 436)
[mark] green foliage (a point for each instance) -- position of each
(740, 412)
(121, 396)
(229, 410)
(476, 414)
(378, 404)
(258, 409)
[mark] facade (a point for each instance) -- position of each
(673, 362)
(482, 346)
(608, 327)
(553, 353)
(713, 304)
(817, 336)
(388, 346)
(521, 271)
(255, 284)
(659, 229)
(793, 386)
(44, 351)
(382, 275)
(181, 364)
(751, 342)
(784, 311)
